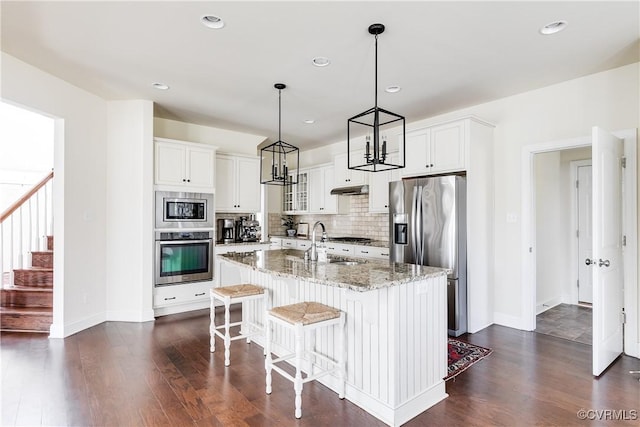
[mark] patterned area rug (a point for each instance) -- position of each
(462, 355)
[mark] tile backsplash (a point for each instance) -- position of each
(357, 223)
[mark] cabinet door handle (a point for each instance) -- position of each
(364, 252)
(167, 299)
(184, 180)
(199, 295)
(345, 250)
(431, 165)
(383, 254)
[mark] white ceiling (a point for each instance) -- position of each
(444, 55)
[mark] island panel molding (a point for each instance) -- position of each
(396, 335)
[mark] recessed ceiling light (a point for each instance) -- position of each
(392, 89)
(321, 61)
(309, 121)
(160, 86)
(553, 27)
(212, 21)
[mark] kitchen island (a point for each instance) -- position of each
(396, 323)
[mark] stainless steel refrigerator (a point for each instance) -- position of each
(427, 226)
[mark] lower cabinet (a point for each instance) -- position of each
(289, 244)
(275, 243)
(372, 252)
(172, 299)
(340, 249)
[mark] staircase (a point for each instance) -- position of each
(26, 295)
(27, 305)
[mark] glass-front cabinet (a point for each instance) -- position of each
(295, 197)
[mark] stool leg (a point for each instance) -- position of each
(267, 349)
(297, 384)
(227, 334)
(342, 357)
(265, 307)
(212, 326)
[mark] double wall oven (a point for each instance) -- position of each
(184, 238)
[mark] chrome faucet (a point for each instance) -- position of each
(313, 251)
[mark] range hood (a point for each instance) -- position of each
(350, 191)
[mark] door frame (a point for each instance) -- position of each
(629, 223)
(575, 254)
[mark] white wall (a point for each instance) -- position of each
(227, 141)
(129, 198)
(79, 190)
(567, 110)
(552, 235)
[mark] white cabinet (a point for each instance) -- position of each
(340, 249)
(238, 179)
(438, 149)
(303, 244)
(371, 252)
(321, 181)
(345, 177)
(275, 242)
(379, 188)
(295, 197)
(184, 165)
(179, 298)
(289, 244)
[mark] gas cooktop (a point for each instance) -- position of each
(351, 239)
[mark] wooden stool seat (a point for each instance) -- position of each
(237, 291)
(305, 313)
(231, 295)
(301, 318)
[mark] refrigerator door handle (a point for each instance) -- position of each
(418, 227)
(414, 223)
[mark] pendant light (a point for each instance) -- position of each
(279, 159)
(376, 137)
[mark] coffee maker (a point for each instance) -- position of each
(247, 229)
(226, 230)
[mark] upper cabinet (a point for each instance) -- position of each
(238, 179)
(438, 149)
(321, 181)
(295, 197)
(184, 166)
(345, 177)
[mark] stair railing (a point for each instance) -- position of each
(24, 227)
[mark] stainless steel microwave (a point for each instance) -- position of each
(184, 210)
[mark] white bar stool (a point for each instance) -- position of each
(303, 317)
(231, 295)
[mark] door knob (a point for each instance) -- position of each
(606, 263)
(590, 261)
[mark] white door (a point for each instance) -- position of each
(607, 249)
(585, 234)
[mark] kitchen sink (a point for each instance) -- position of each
(344, 262)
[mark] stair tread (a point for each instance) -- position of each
(46, 251)
(44, 269)
(26, 288)
(26, 310)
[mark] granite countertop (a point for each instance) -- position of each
(368, 275)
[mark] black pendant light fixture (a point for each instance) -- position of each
(376, 137)
(279, 159)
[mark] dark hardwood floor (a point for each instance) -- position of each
(162, 374)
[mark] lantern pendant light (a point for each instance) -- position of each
(376, 137)
(278, 160)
